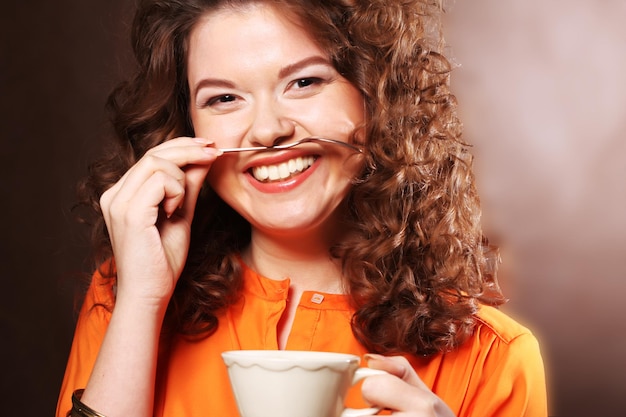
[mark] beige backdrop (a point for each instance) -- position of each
(542, 92)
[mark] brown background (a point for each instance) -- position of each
(542, 92)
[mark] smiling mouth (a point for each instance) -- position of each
(282, 171)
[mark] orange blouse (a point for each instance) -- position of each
(498, 372)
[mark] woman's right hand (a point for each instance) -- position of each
(148, 213)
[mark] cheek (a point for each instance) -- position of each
(355, 107)
(345, 110)
(352, 167)
(225, 131)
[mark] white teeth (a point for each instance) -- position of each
(261, 173)
(283, 170)
(273, 171)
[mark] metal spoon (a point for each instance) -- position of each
(292, 144)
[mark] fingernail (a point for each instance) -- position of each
(203, 141)
(212, 151)
(369, 356)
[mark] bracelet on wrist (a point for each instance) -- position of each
(81, 410)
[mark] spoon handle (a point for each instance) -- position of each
(291, 145)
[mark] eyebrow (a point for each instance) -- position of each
(284, 72)
(211, 82)
(313, 60)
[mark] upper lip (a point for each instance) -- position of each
(275, 158)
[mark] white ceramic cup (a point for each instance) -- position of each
(284, 383)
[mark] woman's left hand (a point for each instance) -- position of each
(402, 391)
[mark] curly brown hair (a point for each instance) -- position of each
(416, 267)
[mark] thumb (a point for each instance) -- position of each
(195, 176)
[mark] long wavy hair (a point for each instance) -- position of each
(415, 265)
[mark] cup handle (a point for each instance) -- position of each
(360, 412)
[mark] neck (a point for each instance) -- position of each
(303, 258)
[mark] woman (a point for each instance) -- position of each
(373, 248)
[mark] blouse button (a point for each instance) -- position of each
(317, 298)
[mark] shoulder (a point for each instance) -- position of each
(499, 324)
(501, 366)
(499, 341)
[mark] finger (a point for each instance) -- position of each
(194, 180)
(395, 365)
(184, 150)
(173, 195)
(195, 170)
(178, 152)
(173, 158)
(391, 392)
(170, 161)
(400, 390)
(141, 209)
(117, 200)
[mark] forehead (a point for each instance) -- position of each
(244, 13)
(256, 32)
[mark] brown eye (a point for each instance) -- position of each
(305, 82)
(226, 98)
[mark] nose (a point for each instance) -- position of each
(270, 125)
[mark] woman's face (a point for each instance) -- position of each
(256, 78)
